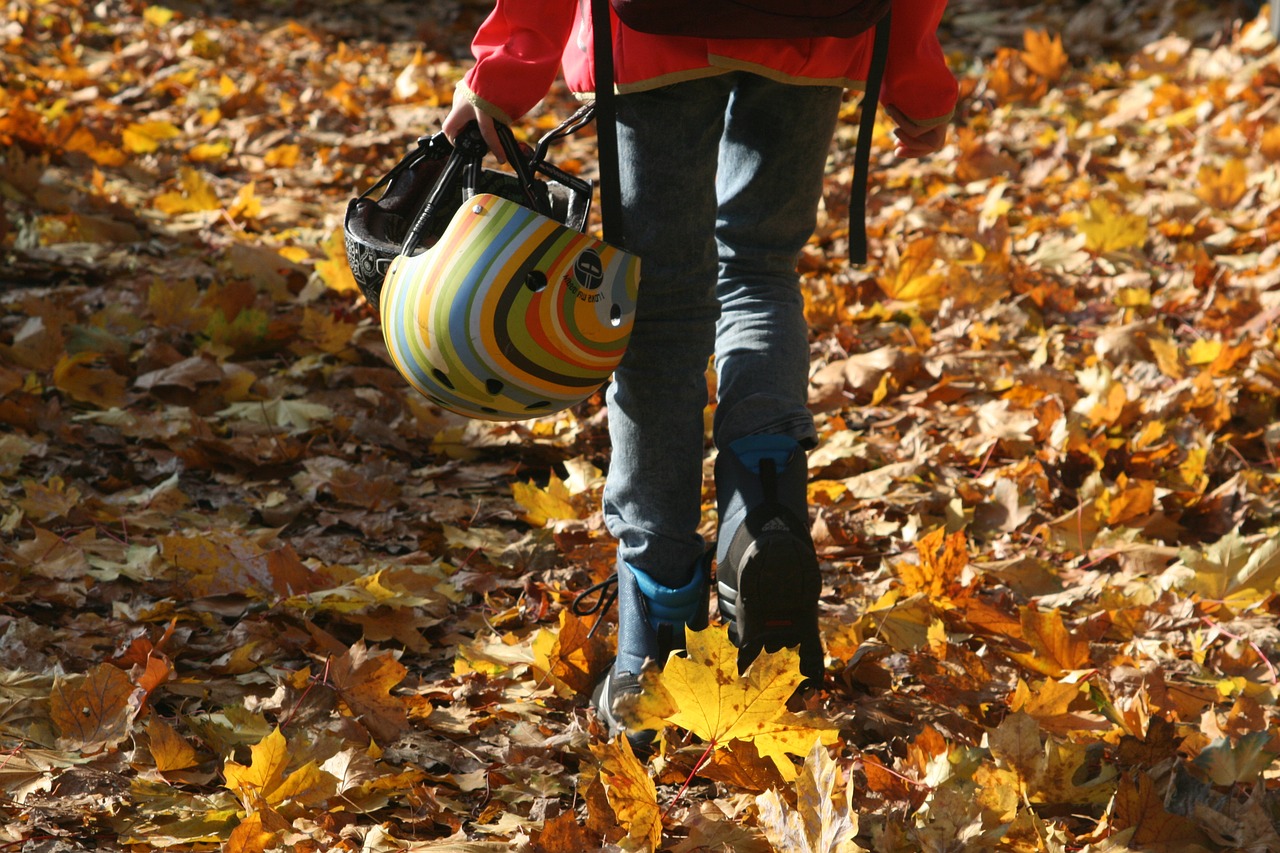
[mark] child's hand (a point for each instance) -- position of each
(915, 140)
(462, 114)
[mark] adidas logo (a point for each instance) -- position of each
(774, 525)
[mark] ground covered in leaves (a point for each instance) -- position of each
(256, 595)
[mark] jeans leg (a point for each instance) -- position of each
(667, 141)
(772, 160)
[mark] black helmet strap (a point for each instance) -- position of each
(464, 165)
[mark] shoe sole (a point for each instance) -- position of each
(642, 740)
(776, 603)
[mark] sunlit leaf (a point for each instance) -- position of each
(145, 137)
(1108, 228)
(822, 820)
(1056, 650)
(914, 279)
(1044, 54)
(195, 194)
(334, 269)
(1223, 188)
(704, 694)
(543, 505)
(631, 792)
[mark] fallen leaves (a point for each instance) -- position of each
(631, 793)
(702, 693)
(822, 821)
(95, 711)
(257, 595)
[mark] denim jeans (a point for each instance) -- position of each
(720, 178)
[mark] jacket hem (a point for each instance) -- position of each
(489, 108)
(731, 64)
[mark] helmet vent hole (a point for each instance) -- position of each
(488, 410)
(441, 378)
(536, 280)
(541, 404)
(615, 315)
(493, 386)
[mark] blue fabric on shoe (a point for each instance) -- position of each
(751, 450)
(670, 605)
(651, 616)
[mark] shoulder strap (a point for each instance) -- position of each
(862, 153)
(606, 125)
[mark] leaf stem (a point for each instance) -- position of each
(1217, 626)
(697, 765)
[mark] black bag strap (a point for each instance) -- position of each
(607, 132)
(606, 125)
(862, 153)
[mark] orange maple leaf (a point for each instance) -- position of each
(1055, 650)
(631, 792)
(942, 559)
(364, 683)
(1044, 54)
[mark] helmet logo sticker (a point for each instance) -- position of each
(589, 270)
(588, 275)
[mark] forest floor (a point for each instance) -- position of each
(256, 594)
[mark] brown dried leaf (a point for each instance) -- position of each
(94, 712)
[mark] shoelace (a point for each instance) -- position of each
(608, 589)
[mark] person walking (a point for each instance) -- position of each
(722, 148)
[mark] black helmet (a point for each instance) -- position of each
(422, 192)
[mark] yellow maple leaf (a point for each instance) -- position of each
(1204, 351)
(250, 836)
(1107, 228)
(1055, 650)
(209, 152)
(631, 792)
(256, 782)
(195, 194)
(334, 269)
(570, 658)
(282, 156)
(263, 784)
(145, 137)
(704, 694)
(157, 16)
(1223, 188)
(901, 622)
(246, 204)
(325, 332)
(913, 280)
(543, 505)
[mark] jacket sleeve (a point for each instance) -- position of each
(916, 77)
(517, 51)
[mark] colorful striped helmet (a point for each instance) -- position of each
(510, 314)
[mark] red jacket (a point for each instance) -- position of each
(522, 43)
